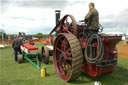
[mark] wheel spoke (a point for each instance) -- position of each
(59, 50)
(68, 51)
(62, 71)
(64, 66)
(64, 28)
(68, 54)
(61, 41)
(68, 70)
(64, 43)
(69, 58)
(58, 61)
(69, 25)
(69, 67)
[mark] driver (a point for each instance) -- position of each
(92, 19)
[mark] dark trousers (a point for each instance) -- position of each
(16, 50)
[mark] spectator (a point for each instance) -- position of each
(16, 44)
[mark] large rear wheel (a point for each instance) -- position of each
(68, 57)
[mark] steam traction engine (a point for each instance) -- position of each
(76, 50)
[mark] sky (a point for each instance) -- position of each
(38, 16)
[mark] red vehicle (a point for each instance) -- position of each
(76, 50)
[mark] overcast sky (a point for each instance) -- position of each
(34, 16)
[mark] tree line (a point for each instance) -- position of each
(38, 35)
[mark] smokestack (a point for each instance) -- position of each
(57, 12)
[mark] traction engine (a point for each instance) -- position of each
(77, 50)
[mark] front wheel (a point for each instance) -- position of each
(68, 57)
(45, 55)
(20, 58)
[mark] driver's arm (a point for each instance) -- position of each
(90, 13)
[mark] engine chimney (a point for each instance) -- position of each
(57, 16)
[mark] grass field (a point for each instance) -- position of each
(12, 73)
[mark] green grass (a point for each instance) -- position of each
(12, 73)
